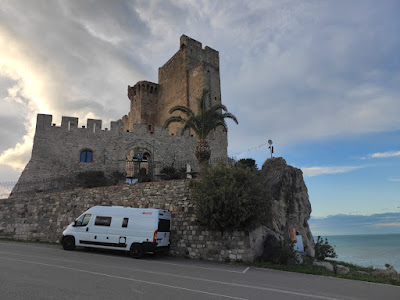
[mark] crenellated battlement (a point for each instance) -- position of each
(142, 87)
(44, 122)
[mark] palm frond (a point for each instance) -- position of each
(230, 116)
(204, 120)
(218, 107)
(186, 110)
(174, 119)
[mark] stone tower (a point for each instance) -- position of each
(181, 81)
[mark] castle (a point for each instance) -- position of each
(62, 151)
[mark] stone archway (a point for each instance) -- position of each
(138, 164)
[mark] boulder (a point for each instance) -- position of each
(362, 273)
(340, 269)
(388, 273)
(328, 266)
(290, 205)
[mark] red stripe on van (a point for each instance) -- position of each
(155, 236)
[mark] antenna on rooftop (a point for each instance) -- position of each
(271, 148)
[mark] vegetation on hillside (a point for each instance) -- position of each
(229, 199)
(323, 249)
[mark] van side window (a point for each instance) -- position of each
(102, 221)
(164, 225)
(83, 220)
(125, 222)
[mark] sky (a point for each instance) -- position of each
(321, 79)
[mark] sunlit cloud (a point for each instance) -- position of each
(316, 171)
(382, 155)
(385, 154)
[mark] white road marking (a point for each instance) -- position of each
(245, 270)
(151, 261)
(188, 277)
(125, 278)
(328, 277)
(197, 267)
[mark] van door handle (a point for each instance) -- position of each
(87, 228)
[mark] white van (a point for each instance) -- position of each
(137, 230)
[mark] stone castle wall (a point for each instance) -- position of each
(56, 150)
(44, 217)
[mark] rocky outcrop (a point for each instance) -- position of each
(290, 205)
(264, 242)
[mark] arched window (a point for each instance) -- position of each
(86, 156)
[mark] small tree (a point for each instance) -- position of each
(323, 249)
(229, 199)
(202, 122)
(249, 162)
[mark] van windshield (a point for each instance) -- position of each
(83, 220)
(164, 225)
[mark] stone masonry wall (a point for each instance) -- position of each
(56, 149)
(44, 217)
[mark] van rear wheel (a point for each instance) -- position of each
(68, 243)
(136, 250)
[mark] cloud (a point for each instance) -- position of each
(290, 71)
(387, 225)
(356, 224)
(394, 179)
(385, 154)
(52, 64)
(316, 171)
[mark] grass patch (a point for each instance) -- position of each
(308, 268)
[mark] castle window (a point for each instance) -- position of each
(87, 156)
(151, 90)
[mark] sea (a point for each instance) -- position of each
(368, 250)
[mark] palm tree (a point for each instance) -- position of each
(202, 123)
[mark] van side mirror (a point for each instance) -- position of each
(74, 223)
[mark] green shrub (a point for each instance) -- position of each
(229, 199)
(170, 172)
(286, 252)
(323, 249)
(89, 179)
(249, 162)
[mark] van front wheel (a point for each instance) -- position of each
(136, 250)
(68, 243)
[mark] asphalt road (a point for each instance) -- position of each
(39, 271)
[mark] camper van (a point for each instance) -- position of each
(137, 230)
